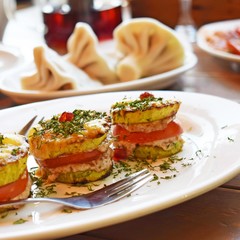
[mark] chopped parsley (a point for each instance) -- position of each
(186, 164)
(67, 210)
(20, 221)
(230, 139)
(67, 128)
(39, 189)
(198, 153)
(45, 191)
(1, 139)
(73, 194)
(165, 166)
(138, 104)
(15, 151)
(169, 177)
(155, 177)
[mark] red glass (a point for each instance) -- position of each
(105, 21)
(60, 22)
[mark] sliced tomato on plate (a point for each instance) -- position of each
(119, 153)
(13, 189)
(173, 129)
(238, 30)
(234, 45)
(70, 159)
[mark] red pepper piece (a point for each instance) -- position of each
(66, 117)
(146, 95)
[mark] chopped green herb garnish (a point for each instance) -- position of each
(15, 151)
(1, 139)
(230, 139)
(73, 194)
(155, 177)
(20, 221)
(67, 210)
(66, 128)
(169, 177)
(198, 153)
(138, 104)
(186, 164)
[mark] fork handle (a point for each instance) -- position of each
(82, 202)
(24, 201)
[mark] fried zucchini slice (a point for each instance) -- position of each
(143, 110)
(83, 176)
(84, 131)
(13, 157)
(156, 152)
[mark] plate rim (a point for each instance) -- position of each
(13, 52)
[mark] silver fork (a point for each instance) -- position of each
(25, 129)
(101, 197)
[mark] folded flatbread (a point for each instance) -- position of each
(148, 46)
(53, 72)
(83, 51)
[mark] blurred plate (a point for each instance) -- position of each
(9, 58)
(208, 30)
(10, 84)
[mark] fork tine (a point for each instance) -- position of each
(128, 184)
(128, 189)
(115, 185)
(24, 130)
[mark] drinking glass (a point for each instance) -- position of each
(60, 17)
(186, 26)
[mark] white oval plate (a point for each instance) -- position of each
(208, 30)
(212, 141)
(10, 84)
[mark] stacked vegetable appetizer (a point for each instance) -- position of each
(145, 128)
(81, 146)
(72, 147)
(15, 182)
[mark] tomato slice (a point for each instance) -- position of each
(119, 153)
(173, 129)
(13, 189)
(238, 30)
(234, 46)
(70, 159)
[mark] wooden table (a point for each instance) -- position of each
(212, 216)
(202, 11)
